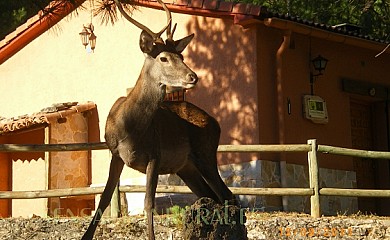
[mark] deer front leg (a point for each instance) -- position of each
(116, 167)
(151, 185)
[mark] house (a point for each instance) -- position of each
(256, 78)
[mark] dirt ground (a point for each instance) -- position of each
(258, 225)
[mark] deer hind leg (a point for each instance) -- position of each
(207, 166)
(194, 180)
(116, 167)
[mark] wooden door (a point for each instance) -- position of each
(362, 138)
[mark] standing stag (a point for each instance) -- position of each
(156, 137)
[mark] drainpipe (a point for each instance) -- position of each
(281, 109)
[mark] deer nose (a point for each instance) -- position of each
(191, 78)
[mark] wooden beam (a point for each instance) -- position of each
(354, 192)
(315, 209)
(102, 145)
(353, 152)
(50, 193)
(265, 148)
(160, 189)
(52, 147)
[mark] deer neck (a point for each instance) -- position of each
(141, 103)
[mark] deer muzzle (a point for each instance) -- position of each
(191, 80)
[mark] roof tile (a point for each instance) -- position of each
(256, 10)
(182, 2)
(225, 6)
(196, 3)
(210, 4)
(240, 8)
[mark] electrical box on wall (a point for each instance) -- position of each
(314, 109)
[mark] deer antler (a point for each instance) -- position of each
(156, 36)
(170, 31)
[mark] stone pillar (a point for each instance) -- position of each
(68, 169)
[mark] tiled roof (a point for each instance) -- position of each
(241, 13)
(214, 8)
(339, 29)
(44, 117)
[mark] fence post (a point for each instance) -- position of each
(116, 203)
(313, 179)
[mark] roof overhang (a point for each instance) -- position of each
(34, 27)
(323, 34)
(42, 119)
(241, 13)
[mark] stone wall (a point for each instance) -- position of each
(297, 176)
(68, 169)
(267, 174)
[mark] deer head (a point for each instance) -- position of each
(164, 59)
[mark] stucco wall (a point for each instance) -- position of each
(291, 82)
(241, 83)
(29, 175)
(56, 68)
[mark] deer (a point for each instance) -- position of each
(156, 137)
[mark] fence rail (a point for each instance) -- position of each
(353, 152)
(102, 146)
(141, 188)
(311, 148)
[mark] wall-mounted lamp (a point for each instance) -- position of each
(88, 37)
(319, 64)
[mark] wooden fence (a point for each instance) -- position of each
(312, 149)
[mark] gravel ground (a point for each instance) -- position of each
(259, 226)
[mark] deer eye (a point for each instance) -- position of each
(163, 59)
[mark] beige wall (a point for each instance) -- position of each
(56, 68)
(240, 83)
(29, 175)
(224, 56)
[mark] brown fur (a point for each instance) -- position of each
(156, 137)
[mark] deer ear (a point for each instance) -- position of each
(146, 42)
(181, 44)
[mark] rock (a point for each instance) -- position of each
(207, 219)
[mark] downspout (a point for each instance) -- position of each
(281, 110)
